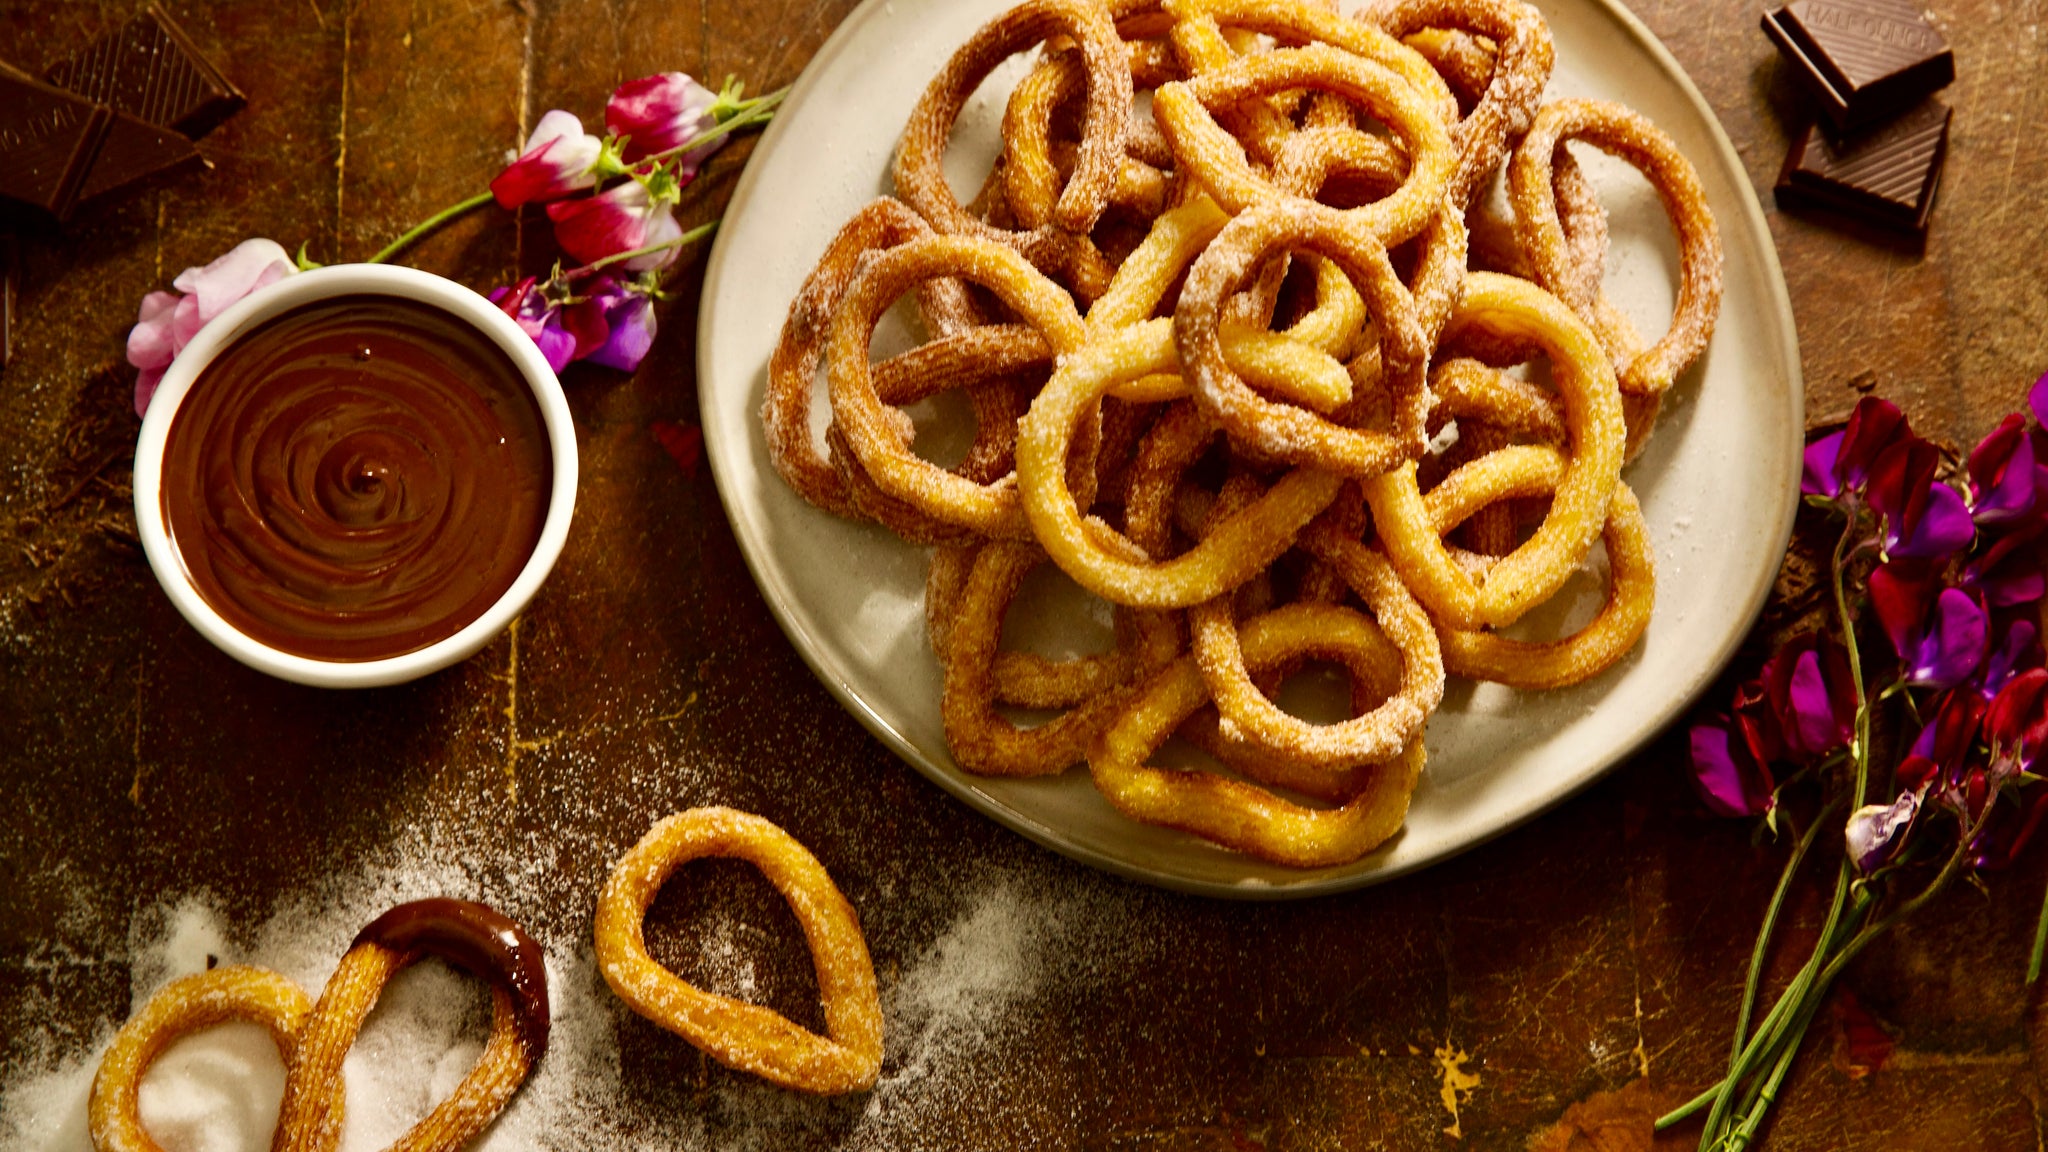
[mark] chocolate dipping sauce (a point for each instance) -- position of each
(356, 478)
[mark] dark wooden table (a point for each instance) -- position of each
(1595, 947)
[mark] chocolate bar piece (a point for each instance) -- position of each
(1886, 177)
(48, 141)
(1863, 60)
(151, 70)
(57, 148)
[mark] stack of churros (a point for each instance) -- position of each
(1248, 366)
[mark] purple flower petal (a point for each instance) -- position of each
(2016, 723)
(1811, 707)
(2037, 399)
(1954, 646)
(1729, 781)
(2017, 653)
(631, 319)
(1876, 832)
(2002, 473)
(1935, 527)
(1818, 478)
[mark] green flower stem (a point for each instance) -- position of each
(757, 111)
(1767, 1092)
(429, 224)
(1763, 937)
(690, 237)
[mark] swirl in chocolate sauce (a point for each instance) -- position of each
(481, 940)
(357, 478)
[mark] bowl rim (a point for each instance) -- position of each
(307, 287)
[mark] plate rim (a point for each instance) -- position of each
(781, 605)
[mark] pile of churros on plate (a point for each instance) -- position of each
(1264, 364)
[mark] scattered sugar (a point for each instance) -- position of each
(1000, 944)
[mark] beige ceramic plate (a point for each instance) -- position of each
(1718, 484)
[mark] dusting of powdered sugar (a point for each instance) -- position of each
(970, 972)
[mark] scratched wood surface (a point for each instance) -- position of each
(1599, 945)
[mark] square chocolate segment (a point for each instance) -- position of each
(48, 141)
(1886, 177)
(1862, 60)
(151, 70)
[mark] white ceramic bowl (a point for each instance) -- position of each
(288, 293)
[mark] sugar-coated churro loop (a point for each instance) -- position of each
(733, 1032)
(985, 742)
(1519, 311)
(1412, 672)
(1185, 113)
(920, 178)
(1241, 816)
(792, 370)
(1522, 58)
(880, 445)
(1238, 548)
(1632, 580)
(1282, 431)
(180, 1008)
(467, 934)
(1629, 135)
(1202, 30)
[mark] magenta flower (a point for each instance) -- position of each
(629, 322)
(2018, 652)
(562, 332)
(1876, 832)
(1729, 777)
(621, 219)
(1812, 696)
(2007, 574)
(2002, 485)
(657, 113)
(2016, 725)
(1938, 752)
(1940, 636)
(559, 158)
(167, 321)
(1923, 517)
(1842, 461)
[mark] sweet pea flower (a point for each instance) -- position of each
(1812, 695)
(559, 158)
(562, 332)
(167, 321)
(629, 321)
(2016, 725)
(1730, 779)
(1841, 462)
(2017, 653)
(635, 214)
(2007, 574)
(1923, 517)
(1876, 832)
(657, 113)
(2002, 487)
(1940, 637)
(1938, 752)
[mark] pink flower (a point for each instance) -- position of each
(167, 321)
(621, 219)
(559, 158)
(656, 113)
